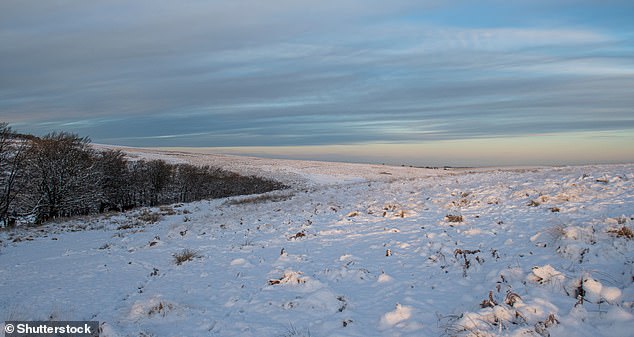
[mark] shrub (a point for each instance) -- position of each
(184, 256)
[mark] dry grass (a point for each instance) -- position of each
(160, 309)
(259, 199)
(488, 303)
(149, 217)
(184, 256)
(125, 226)
(454, 218)
(534, 203)
(623, 232)
(167, 210)
(297, 235)
(293, 332)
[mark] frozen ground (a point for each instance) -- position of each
(349, 250)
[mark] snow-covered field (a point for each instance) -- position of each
(348, 250)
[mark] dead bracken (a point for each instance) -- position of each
(297, 235)
(454, 218)
(623, 232)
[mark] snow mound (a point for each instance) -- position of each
(289, 277)
(400, 314)
(546, 274)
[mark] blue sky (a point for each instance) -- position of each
(414, 82)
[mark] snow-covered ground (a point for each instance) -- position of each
(348, 250)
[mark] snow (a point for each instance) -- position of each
(546, 274)
(611, 295)
(511, 267)
(401, 313)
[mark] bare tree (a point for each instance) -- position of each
(11, 155)
(64, 176)
(114, 175)
(61, 175)
(191, 182)
(159, 175)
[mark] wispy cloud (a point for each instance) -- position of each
(228, 73)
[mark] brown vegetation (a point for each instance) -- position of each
(454, 218)
(623, 232)
(184, 256)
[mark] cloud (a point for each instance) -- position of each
(244, 73)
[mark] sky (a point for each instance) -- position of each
(423, 82)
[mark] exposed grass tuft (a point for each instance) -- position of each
(293, 332)
(623, 232)
(454, 218)
(184, 256)
(160, 309)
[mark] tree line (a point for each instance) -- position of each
(61, 175)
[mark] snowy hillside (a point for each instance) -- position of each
(349, 250)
